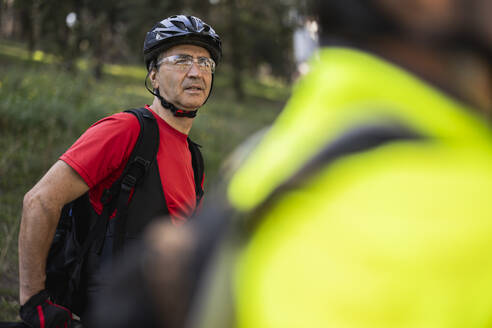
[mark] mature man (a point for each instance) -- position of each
(367, 204)
(180, 53)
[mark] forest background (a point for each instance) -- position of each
(66, 64)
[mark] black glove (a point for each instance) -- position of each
(40, 312)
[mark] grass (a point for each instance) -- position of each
(44, 109)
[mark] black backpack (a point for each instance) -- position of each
(74, 236)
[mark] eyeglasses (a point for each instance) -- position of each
(184, 63)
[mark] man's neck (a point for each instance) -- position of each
(182, 124)
(441, 69)
(425, 62)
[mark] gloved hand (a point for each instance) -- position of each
(40, 312)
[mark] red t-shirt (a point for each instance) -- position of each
(100, 155)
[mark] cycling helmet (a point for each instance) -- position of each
(181, 29)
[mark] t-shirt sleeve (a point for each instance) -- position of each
(103, 148)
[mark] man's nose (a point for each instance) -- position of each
(194, 69)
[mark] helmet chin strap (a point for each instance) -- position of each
(176, 112)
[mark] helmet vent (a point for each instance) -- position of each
(179, 24)
(193, 22)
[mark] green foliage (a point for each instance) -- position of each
(9, 307)
(255, 33)
(44, 109)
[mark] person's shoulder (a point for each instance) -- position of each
(117, 123)
(119, 126)
(122, 119)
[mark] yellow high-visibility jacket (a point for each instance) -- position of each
(376, 208)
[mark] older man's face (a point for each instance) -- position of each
(186, 89)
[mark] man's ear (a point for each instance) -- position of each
(153, 78)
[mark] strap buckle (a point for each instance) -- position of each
(128, 182)
(142, 161)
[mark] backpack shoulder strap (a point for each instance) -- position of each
(145, 149)
(141, 158)
(198, 168)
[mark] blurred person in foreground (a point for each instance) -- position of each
(367, 203)
(180, 54)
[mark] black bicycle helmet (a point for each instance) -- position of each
(181, 29)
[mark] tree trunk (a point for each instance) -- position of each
(236, 49)
(7, 19)
(1, 16)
